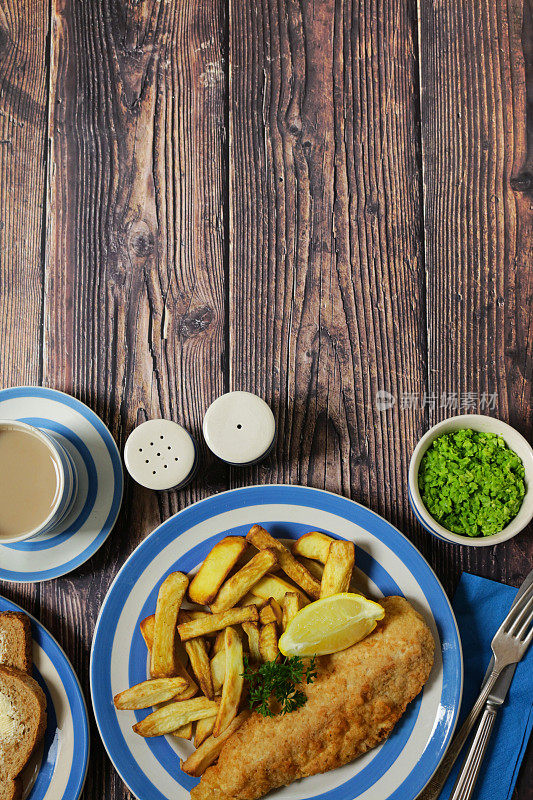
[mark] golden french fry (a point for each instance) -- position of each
(196, 614)
(338, 568)
(271, 612)
(276, 587)
(171, 594)
(252, 631)
(209, 751)
(197, 651)
(214, 570)
(251, 600)
(292, 603)
(268, 642)
(216, 622)
(149, 693)
(233, 682)
(313, 545)
(147, 630)
(204, 728)
(218, 669)
(185, 732)
(174, 715)
(239, 584)
(267, 615)
(316, 568)
(261, 539)
(218, 644)
(277, 609)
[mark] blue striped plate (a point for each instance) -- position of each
(100, 482)
(57, 770)
(387, 563)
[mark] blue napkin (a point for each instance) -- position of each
(480, 606)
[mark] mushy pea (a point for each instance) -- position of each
(471, 482)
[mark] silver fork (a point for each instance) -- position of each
(510, 642)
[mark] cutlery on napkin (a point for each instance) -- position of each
(480, 605)
(471, 766)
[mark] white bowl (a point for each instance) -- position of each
(513, 439)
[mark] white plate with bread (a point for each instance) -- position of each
(44, 732)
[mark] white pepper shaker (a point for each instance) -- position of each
(160, 454)
(239, 428)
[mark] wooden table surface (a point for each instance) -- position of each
(313, 200)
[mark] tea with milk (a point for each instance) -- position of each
(29, 481)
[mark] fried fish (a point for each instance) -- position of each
(353, 705)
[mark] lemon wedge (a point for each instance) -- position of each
(329, 625)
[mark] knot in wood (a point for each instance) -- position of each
(142, 241)
(196, 322)
(522, 182)
(360, 459)
(5, 39)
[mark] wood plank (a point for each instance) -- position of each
(135, 265)
(476, 63)
(23, 137)
(23, 129)
(326, 277)
(476, 79)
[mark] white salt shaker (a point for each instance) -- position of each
(160, 454)
(239, 428)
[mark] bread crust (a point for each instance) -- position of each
(17, 626)
(14, 681)
(11, 789)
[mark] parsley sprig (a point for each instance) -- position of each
(278, 680)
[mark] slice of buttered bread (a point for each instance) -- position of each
(22, 726)
(11, 790)
(15, 641)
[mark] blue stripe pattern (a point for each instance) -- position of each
(92, 478)
(78, 711)
(103, 641)
(287, 530)
(32, 575)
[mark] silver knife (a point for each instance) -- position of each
(469, 772)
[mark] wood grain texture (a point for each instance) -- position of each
(476, 67)
(325, 245)
(23, 115)
(135, 269)
(312, 201)
(476, 70)
(23, 127)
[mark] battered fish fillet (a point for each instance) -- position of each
(352, 706)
